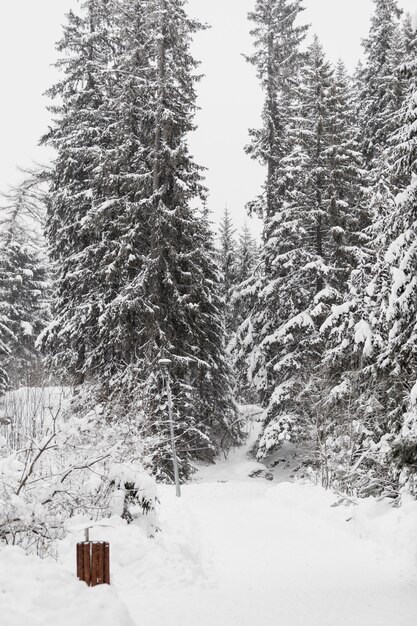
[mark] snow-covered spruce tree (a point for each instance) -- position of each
(238, 260)
(349, 259)
(362, 401)
(247, 254)
(177, 291)
(396, 364)
(227, 262)
(379, 91)
(368, 398)
(23, 283)
(123, 211)
(295, 251)
(79, 214)
(138, 279)
(277, 59)
(349, 214)
(381, 86)
(247, 264)
(215, 379)
(380, 94)
(243, 301)
(409, 36)
(313, 242)
(357, 399)
(307, 239)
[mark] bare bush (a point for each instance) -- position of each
(56, 465)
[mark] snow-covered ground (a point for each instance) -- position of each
(237, 551)
(268, 555)
(35, 592)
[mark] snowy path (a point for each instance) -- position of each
(235, 550)
(250, 552)
(267, 564)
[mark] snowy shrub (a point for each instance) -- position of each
(57, 464)
(404, 450)
(282, 429)
(134, 497)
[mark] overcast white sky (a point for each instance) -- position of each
(229, 95)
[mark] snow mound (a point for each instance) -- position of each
(138, 561)
(392, 529)
(41, 593)
(305, 497)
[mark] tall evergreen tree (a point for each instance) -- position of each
(409, 34)
(137, 268)
(23, 283)
(381, 94)
(176, 292)
(247, 255)
(278, 59)
(349, 213)
(304, 272)
(228, 261)
(367, 384)
(312, 244)
(242, 305)
(396, 365)
(78, 203)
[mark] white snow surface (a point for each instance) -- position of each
(42, 593)
(234, 551)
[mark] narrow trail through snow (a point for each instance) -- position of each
(248, 551)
